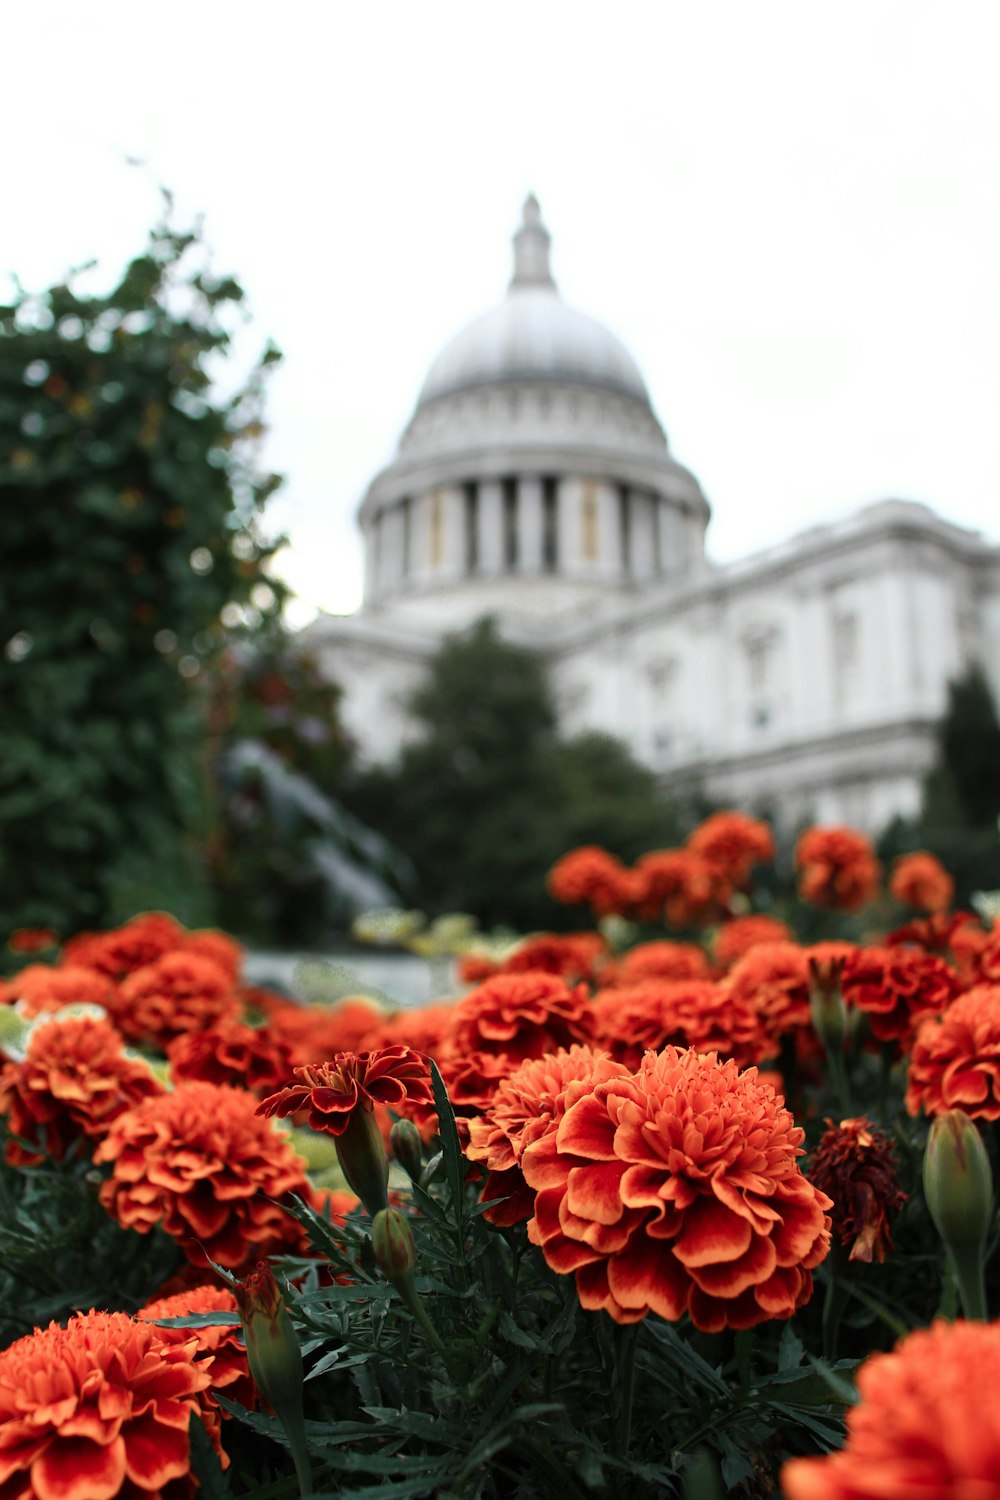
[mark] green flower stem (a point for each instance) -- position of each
(967, 1265)
(406, 1286)
(627, 1339)
(837, 1297)
(291, 1418)
(837, 1064)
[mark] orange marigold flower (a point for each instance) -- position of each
(74, 1081)
(571, 955)
(527, 1106)
(219, 947)
(139, 942)
(941, 933)
(421, 1030)
(232, 1052)
(316, 1032)
(202, 1164)
(47, 987)
(32, 939)
(678, 1190)
(520, 1016)
(679, 886)
(896, 987)
(98, 1409)
(335, 1091)
(854, 1164)
(955, 1062)
(178, 992)
(921, 880)
(927, 1423)
(773, 978)
(738, 936)
(220, 1346)
(591, 876)
(837, 868)
(691, 1013)
(983, 960)
(733, 843)
(657, 960)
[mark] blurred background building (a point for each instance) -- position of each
(535, 484)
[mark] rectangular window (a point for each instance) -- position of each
(406, 543)
(471, 493)
(510, 547)
(550, 525)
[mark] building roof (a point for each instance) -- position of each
(533, 335)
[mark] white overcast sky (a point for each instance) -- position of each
(790, 213)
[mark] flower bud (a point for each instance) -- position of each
(407, 1148)
(826, 1003)
(958, 1187)
(273, 1351)
(392, 1243)
(361, 1152)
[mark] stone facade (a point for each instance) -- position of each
(534, 483)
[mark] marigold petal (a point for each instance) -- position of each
(78, 1469)
(593, 1192)
(643, 1277)
(712, 1232)
(732, 1278)
(586, 1129)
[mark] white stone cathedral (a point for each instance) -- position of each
(535, 484)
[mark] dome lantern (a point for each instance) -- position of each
(531, 248)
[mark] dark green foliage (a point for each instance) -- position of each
(961, 807)
(131, 500)
(489, 797)
(966, 780)
(59, 1250)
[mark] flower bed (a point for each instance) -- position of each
(679, 1204)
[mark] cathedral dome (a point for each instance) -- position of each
(533, 335)
(534, 473)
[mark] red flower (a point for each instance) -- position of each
(657, 960)
(316, 1032)
(32, 939)
(927, 1423)
(74, 1081)
(177, 992)
(44, 987)
(679, 886)
(220, 1350)
(526, 1107)
(773, 978)
(896, 987)
(203, 1165)
(571, 955)
(738, 936)
(234, 1053)
(732, 843)
(139, 942)
(98, 1409)
(219, 947)
(678, 1191)
(921, 880)
(691, 1013)
(955, 1062)
(837, 868)
(591, 876)
(854, 1165)
(351, 1083)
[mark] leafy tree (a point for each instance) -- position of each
(965, 783)
(489, 796)
(132, 498)
(961, 806)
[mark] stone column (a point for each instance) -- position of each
(491, 527)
